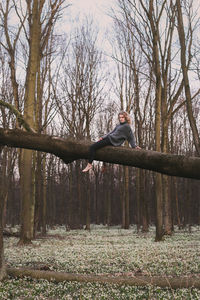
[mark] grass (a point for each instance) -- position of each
(103, 251)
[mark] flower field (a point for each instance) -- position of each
(103, 251)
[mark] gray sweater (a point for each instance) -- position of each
(120, 134)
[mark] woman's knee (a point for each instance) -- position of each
(93, 146)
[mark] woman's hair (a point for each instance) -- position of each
(126, 116)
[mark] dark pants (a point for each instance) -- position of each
(94, 147)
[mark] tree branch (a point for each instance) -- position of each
(18, 115)
(69, 150)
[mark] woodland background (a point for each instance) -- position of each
(67, 85)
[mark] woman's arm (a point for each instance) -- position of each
(103, 137)
(131, 140)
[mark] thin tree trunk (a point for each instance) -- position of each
(122, 197)
(188, 203)
(79, 196)
(2, 260)
(138, 191)
(144, 198)
(159, 208)
(44, 199)
(167, 206)
(177, 203)
(109, 178)
(126, 192)
(167, 217)
(70, 199)
(88, 195)
(186, 78)
(97, 217)
(158, 97)
(38, 192)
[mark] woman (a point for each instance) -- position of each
(117, 137)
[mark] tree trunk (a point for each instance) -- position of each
(70, 199)
(186, 77)
(97, 191)
(158, 96)
(28, 199)
(163, 282)
(88, 195)
(69, 150)
(44, 198)
(159, 208)
(79, 196)
(138, 202)
(188, 206)
(167, 218)
(2, 261)
(29, 113)
(108, 204)
(126, 195)
(177, 203)
(167, 206)
(158, 179)
(38, 193)
(143, 198)
(122, 197)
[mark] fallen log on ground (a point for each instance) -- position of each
(139, 280)
(69, 150)
(9, 233)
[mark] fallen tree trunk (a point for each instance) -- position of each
(69, 150)
(9, 233)
(171, 282)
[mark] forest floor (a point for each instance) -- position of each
(103, 251)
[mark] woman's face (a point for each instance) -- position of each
(122, 118)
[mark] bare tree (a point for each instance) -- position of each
(83, 81)
(36, 20)
(186, 52)
(81, 87)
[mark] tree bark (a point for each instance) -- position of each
(158, 99)
(182, 40)
(28, 168)
(172, 282)
(167, 206)
(144, 202)
(126, 195)
(38, 193)
(44, 199)
(2, 261)
(88, 203)
(69, 150)
(138, 202)
(28, 198)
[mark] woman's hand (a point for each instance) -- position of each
(138, 147)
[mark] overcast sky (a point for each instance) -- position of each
(96, 8)
(99, 10)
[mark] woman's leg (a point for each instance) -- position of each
(98, 145)
(93, 148)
